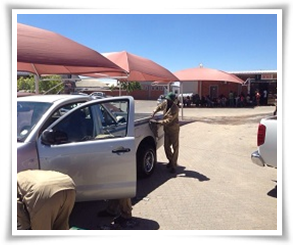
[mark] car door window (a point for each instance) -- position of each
(93, 122)
(60, 111)
(113, 117)
(76, 127)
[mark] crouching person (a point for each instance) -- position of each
(45, 200)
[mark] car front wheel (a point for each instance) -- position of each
(146, 161)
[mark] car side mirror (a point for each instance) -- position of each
(51, 137)
(120, 119)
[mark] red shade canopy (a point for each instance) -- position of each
(139, 68)
(206, 74)
(44, 52)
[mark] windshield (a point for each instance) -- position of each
(28, 114)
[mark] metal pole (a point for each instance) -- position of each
(119, 87)
(37, 77)
(36, 84)
(181, 98)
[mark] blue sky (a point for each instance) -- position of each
(229, 42)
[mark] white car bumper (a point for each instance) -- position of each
(257, 159)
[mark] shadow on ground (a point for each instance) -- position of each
(273, 192)
(84, 214)
(160, 176)
(84, 217)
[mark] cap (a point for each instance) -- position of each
(170, 96)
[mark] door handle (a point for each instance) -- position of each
(120, 149)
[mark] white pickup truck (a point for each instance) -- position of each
(266, 154)
(99, 143)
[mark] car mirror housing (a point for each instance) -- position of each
(51, 137)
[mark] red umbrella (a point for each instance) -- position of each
(44, 52)
(206, 74)
(139, 68)
(203, 74)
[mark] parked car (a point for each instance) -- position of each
(266, 154)
(98, 95)
(102, 144)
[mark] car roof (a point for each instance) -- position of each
(51, 98)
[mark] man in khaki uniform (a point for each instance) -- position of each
(45, 199)
(171, 125)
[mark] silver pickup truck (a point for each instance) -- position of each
(102, 144)
(266, 154)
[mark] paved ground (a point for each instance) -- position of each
(217, 187)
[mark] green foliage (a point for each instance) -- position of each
(52, 83)
(26, 83)
(131, 86)
(113, 87)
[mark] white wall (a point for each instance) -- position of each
(188, 87)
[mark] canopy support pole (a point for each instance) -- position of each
(181, 99)
(119, 82)
(37, 79)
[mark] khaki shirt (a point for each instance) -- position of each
(170, 116)
(34, 187)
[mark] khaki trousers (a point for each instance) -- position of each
(121, 206)
(171, 146)
(54, 215)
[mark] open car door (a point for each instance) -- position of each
(94, 144)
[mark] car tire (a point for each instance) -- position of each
(146, 160)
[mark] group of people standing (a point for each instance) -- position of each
(231, 100)
(255, 99)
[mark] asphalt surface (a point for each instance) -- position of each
(216, 186)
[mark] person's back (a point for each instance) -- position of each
(48, 197)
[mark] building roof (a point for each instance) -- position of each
(253, 72)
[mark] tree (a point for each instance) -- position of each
(26, 83)
(131, 86)
(53, 83)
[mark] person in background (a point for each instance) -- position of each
(210, 103)
(196, 100)
(248, 100)
(265, 97)
(45, 200)
(257, 97)
(171, 125)
(231, 99)
(223, 100)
